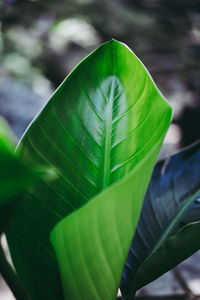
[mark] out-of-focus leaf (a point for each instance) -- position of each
(100, 126)
(6, 135)
(170, 203)
(15, 178)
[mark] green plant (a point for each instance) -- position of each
(96, 140)
(15, 178)
(171, 210)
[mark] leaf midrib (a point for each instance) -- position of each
(174, 221)
(167, 231)
(107, 139)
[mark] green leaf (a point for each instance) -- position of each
(99, 127)
(15, 178)
(170, 203)
(175, 250)
(6, 135)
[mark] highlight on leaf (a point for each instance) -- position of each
(98, 136)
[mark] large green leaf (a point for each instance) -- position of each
(15, 178)
(100, 124)
(170, 203)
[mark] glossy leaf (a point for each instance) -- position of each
(170, 203)
(15, 178)
(91, 258)
(99, 126)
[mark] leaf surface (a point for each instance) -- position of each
(171, 253)
(99, 126)
(170, 204)
(15, 178)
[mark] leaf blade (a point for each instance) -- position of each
(168, 206)
(163, 259)
(15, 178)
(97, 255)
(73, 139)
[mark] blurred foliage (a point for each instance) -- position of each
(41, 41)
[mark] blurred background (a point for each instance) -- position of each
(41, 41)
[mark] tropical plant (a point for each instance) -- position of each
(15, 178)
(97, 140)
(168, 227)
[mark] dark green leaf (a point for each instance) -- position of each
(175, 250)
(168, 206)
(15, 178)
(100, 124)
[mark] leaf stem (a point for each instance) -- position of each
(11, 278)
